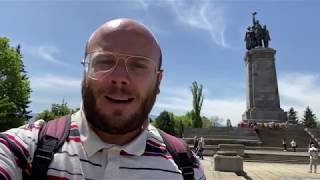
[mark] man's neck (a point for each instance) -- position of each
(119, 139)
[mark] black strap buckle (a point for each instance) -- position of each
(43, 155)
(187, 172)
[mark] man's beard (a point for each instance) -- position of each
(103, 122)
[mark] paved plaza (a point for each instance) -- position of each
(262, 171)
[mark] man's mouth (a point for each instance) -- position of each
(119, 100)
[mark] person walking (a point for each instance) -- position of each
(293, 145)
(313, 153)
(201, 147)
(284, 143)
(195, 143)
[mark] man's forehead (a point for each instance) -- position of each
(125, 36)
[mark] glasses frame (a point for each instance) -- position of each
(86, 62)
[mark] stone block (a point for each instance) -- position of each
(238, 148)
(228, 163)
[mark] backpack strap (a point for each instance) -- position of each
(51, 138)
(180, 153)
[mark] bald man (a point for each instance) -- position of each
(110, 136)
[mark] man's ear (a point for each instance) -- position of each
(160, 75)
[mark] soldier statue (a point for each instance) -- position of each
(266, 36)
(249, 39)
(256, 35)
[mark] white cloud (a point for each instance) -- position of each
(204, 15)
(296, 90)
(229, 108)
(179, 101)
(54, 82)
(49, 89)
(299, 90)
(45, 52)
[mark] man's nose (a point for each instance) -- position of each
(119, 76)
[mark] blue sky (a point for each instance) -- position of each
(201, 40)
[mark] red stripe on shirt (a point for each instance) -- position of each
(5, 173)
(156, 155)
(123, 153)
(19, 145)
(31, 127)
(74, 126)
(161, 146)
(74, 138)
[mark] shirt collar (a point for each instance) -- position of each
(92, 143)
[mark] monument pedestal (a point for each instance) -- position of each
(263, 104)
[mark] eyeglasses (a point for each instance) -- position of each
(99, 63)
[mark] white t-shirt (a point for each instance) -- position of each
(313, 152)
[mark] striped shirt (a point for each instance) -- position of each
(85, 156)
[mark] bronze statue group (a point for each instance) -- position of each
(256, 35)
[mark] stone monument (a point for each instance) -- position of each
(262, 96)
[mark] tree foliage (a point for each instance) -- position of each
(165, 122)
(56, 111)
(292, 116)
(14, 87)
(197, 101)
(309, 118)
(206, 123)
(180, 122)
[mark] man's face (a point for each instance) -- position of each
(118, 102)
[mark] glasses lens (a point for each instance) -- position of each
(140, 66)
(101, 63)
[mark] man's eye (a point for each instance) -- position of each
(104, 63)
(139, 63)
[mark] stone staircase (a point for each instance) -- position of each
(223, 135)
(276, 157)
(266, 146)
(273, 137)
(315, 134)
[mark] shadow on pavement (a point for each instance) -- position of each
(244, 174)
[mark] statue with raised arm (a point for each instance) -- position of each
(256, 36)
(253, 18)
(266, 36)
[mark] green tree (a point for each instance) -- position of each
(56, 111)
(292, 116)
(181, 122)
(165, 122)
(14, 87)
(6, 107)
(179, 128)
(45, 115)
(188, 117)
(197, 101)
(309, 119)
(206, 123)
